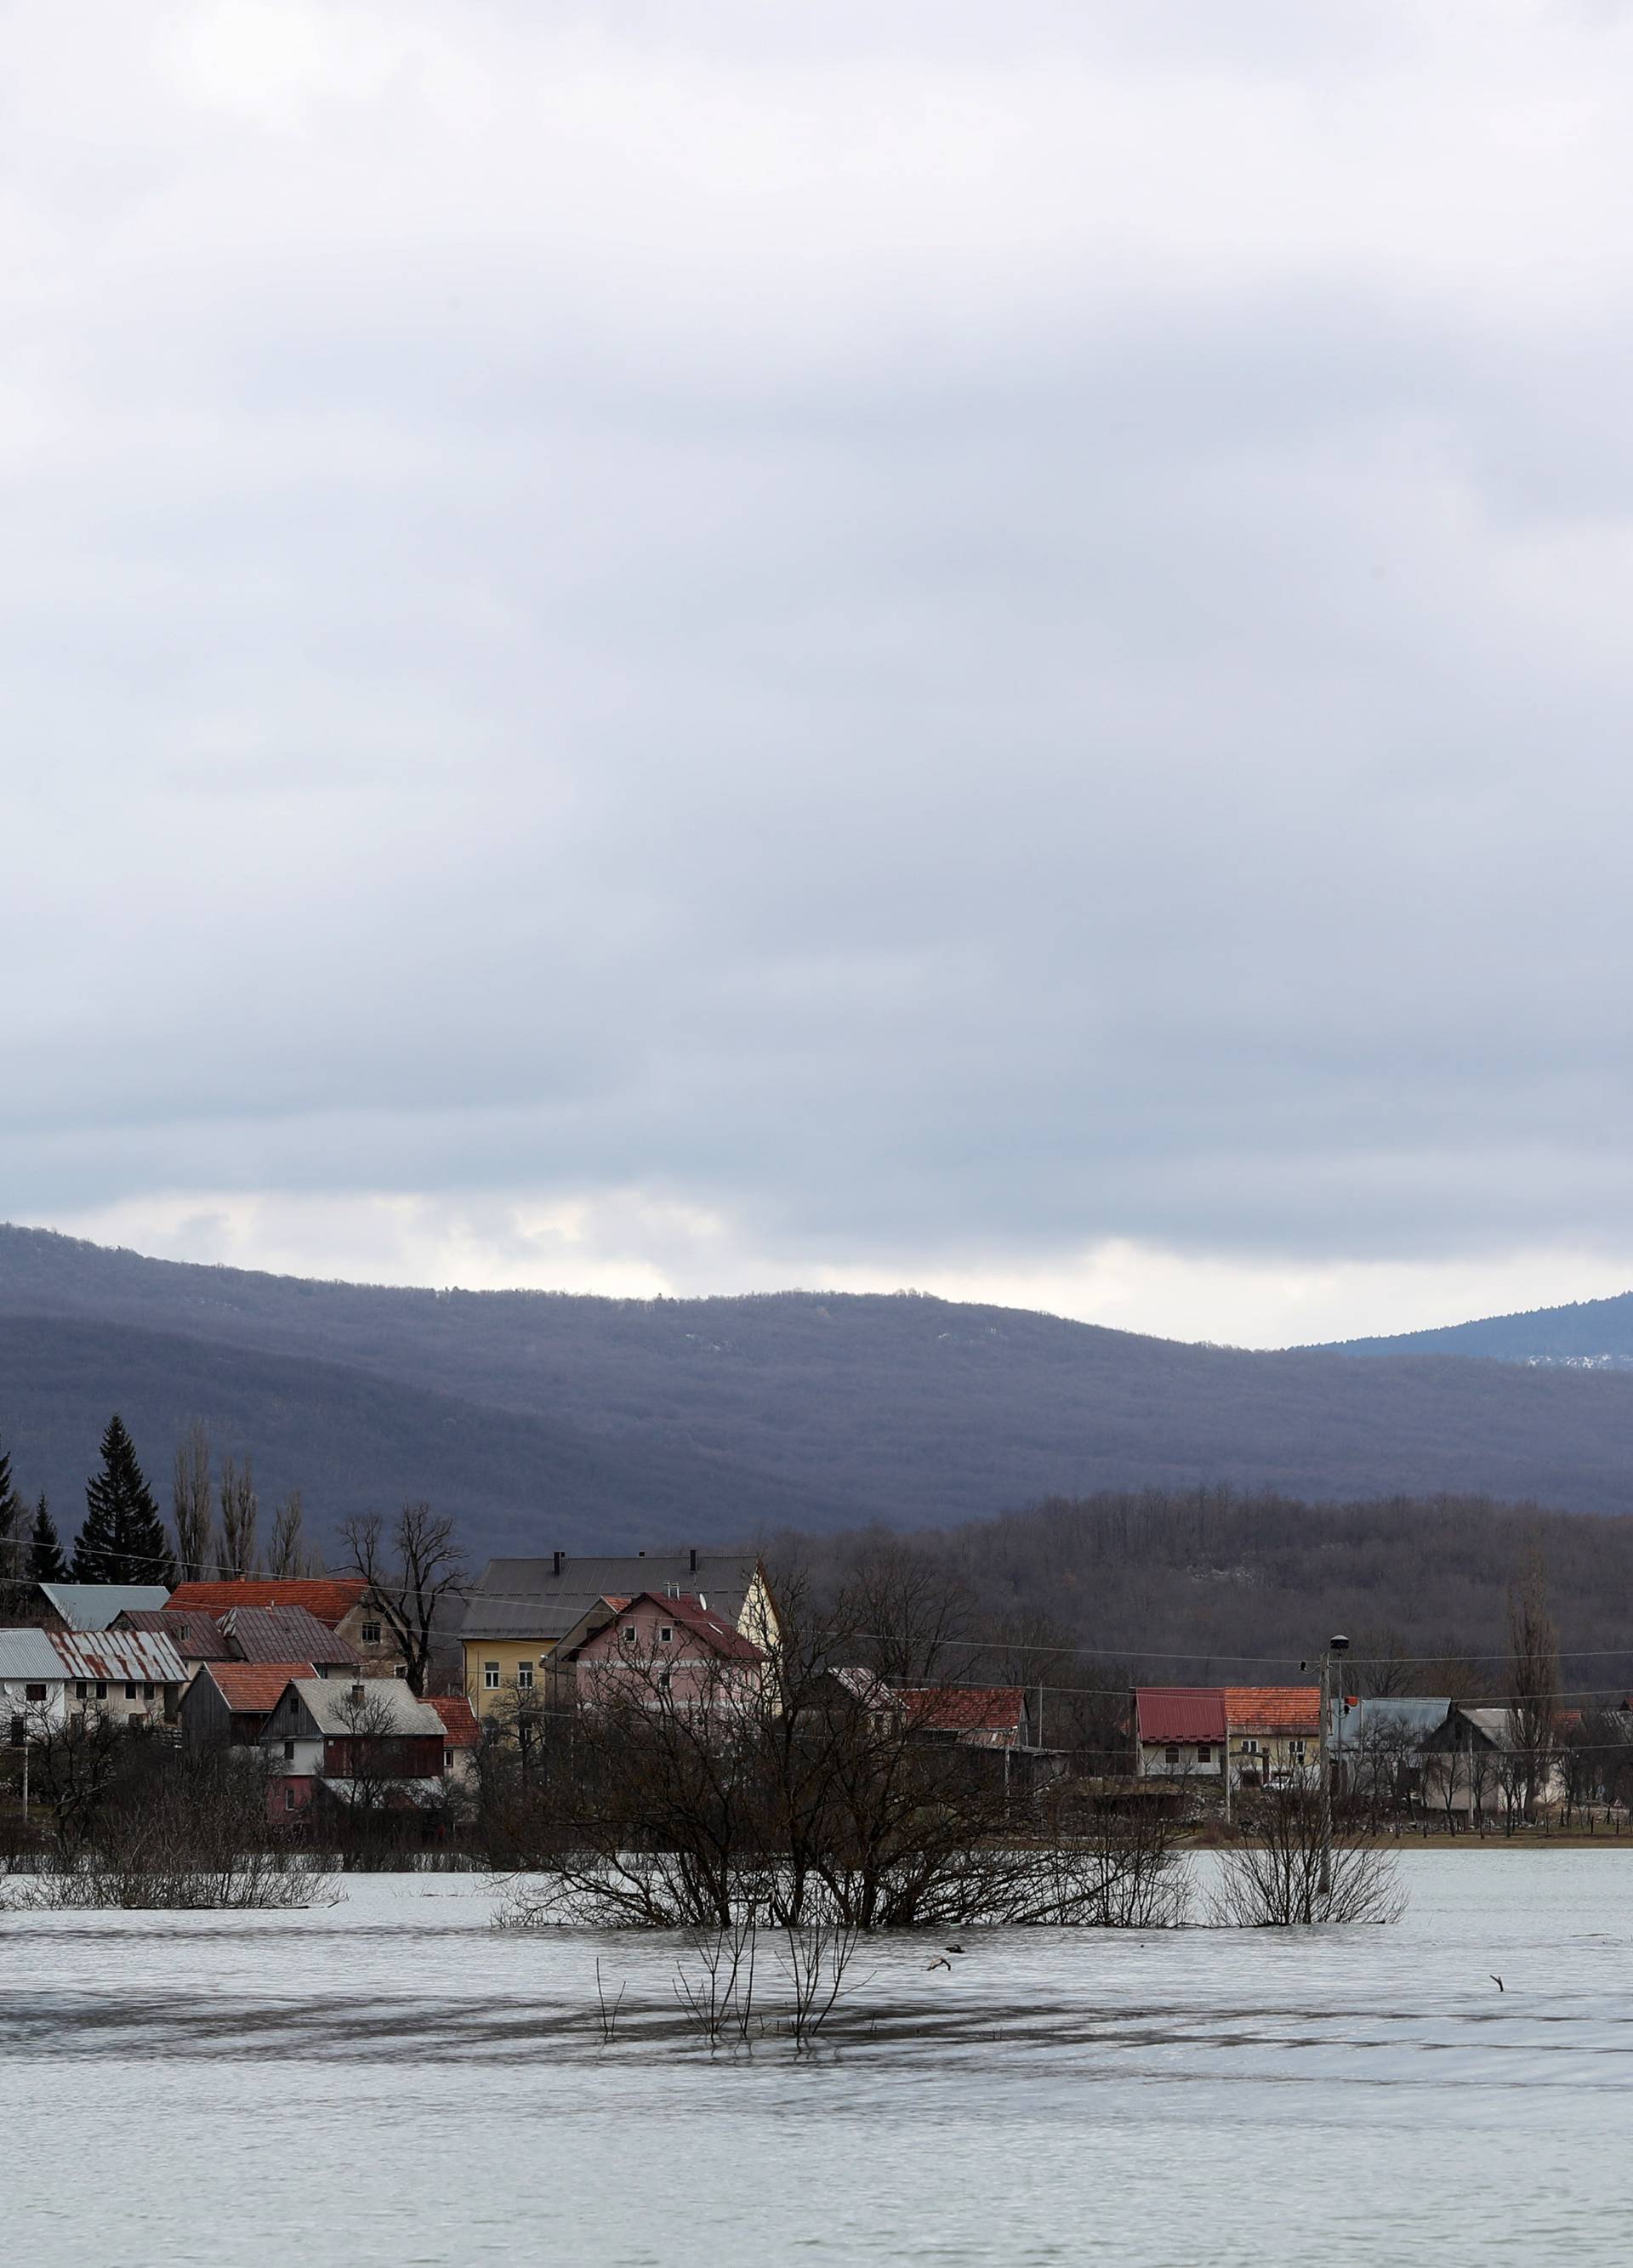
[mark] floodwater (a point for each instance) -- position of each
(392, 2081)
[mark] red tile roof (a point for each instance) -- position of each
(964, 1708)
(1274, 1709)
(253, 1686)
(331, 1598)
(459, 1718)
(1180, 1712)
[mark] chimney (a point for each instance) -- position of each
(555, 1563)
(694, 1559)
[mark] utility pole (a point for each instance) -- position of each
(1337, 1646)
(1324, 1880)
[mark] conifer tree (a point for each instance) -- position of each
(46, 1562)
(13, 1514)
(123, 1538)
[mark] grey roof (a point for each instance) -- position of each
(391, 1710)
(1497, 1725)
(283, 1634)
(92, 1605)
(1401, 1714)
(29, 1654)
(526, 1598)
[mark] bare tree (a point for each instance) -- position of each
(192, 1505)
(1533, 1642)
(1274, 1877)
(241, 1512)
(287, 1555)
(409, 1573)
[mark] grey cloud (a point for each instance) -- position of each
(922, 750)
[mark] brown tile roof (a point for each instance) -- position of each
(285, 1634)
(329, 1597)
(1274, 1709)
(459, 1718)
(964, 1708)
(253, 1686)
(196, 1635)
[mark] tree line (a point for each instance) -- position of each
(214, 1530)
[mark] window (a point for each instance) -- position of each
(80, 1688)
(371, 1634)
(101, 1689)
(630, 1633)
(1248, 1748)
(131, 1692)
(524, 1675)
(19, 1732)
(666, 1636)
(448, 1759)
(1204, 1754)
(289, 1752)
(1296, 1749)
(489, 1676)
(1171, 1755)
(147, 1692)
(33, 1692)
(401, 1670)
(134, 1720)
(289, 1799)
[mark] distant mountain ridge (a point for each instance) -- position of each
(1586, 1334)
(550, 1420)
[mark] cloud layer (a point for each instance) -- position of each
(669, 646)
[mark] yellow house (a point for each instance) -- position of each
(521, 1610)
(1274, 1734)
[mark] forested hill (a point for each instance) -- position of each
(1588, 1335)
(544, 1420)
(1238, 1588)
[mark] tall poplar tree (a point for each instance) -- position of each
(124, 1539)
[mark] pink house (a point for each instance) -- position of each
(666, 1649)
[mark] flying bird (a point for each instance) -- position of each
(952, 1948)
(938, 1965)
(1498, 1981)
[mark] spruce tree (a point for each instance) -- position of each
(123, 1538)
(13, 1514)
(46, 1562)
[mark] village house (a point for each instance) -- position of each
(32, 1682)
(1380, 1746)
(360, 1743)
(1179, 1732)
(970, 1715)
(340, 1602)
(518, 1615)
(659, 1648)
(228, 1703)
(134, 1675)
(1275, 1734)
(462, 1737)
(1476, 1766)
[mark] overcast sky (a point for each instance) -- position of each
(679, 647)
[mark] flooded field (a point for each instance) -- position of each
(392, 2081)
